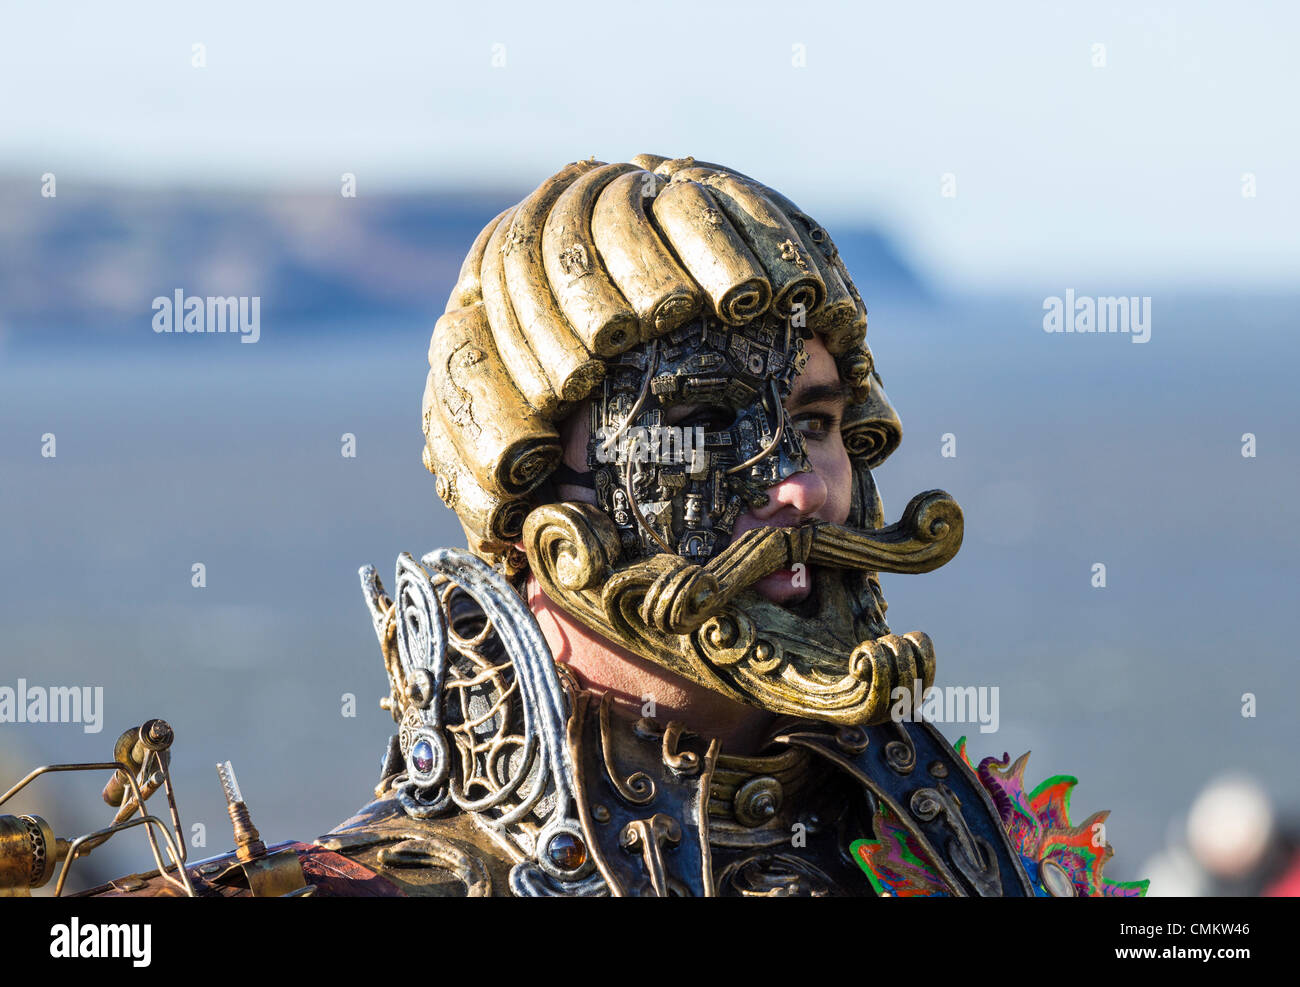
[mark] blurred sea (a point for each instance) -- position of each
(171, 450)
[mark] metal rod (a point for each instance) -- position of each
(183, 884)
(135, 788)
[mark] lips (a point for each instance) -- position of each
(781, 586)
(784, 586)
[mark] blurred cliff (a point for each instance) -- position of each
(92, 260)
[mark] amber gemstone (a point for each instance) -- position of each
(566, 851)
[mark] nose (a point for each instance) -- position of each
(794, 499)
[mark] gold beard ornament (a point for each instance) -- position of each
(840, 664)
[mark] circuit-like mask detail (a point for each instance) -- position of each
(689, 430)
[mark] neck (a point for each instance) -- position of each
(641, 688)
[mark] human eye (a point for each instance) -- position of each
(712, 418)
(816, 425)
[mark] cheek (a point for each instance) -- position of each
(575, 452)
(573, 437)
(831, 461)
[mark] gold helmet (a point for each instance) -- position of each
(599, 258)
(602, 263)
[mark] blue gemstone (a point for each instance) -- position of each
(422, 757)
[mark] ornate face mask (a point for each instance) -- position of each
(688, 430)
(676, 297)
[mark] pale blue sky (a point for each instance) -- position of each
(1065, 172)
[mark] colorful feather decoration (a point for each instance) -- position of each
(1055, 853)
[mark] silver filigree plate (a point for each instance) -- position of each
(487, 734)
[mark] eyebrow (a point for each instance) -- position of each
(818, 393)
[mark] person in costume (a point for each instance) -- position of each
(653, 408)
(661, 666)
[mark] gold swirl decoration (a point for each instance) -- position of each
(665, 593)
(891, 662)
(575, 543)
(758, 800)
(870, 429)
(857, 369)
(679, 762)
(927, 536)
(867, 440)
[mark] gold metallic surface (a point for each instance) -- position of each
(758, 800)
(471, 400)
(657, 843)
(124, 749)
(517, 352)
(796, 284)
(870, 429)
(469, 284)
(426, 851)
(248, 842)
(569, 367)
(645, 271)
(636, 788)
(27, 854)
(603, 319)
(703, 623)
(491, 522)
(274, 875)
(447, 857)
(713, 252)
(651, 837)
